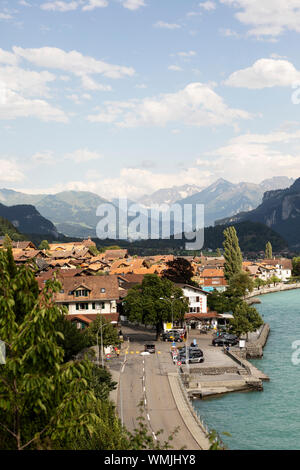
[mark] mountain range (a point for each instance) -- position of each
(279, 210)
(223, 198)
(73, 213)
(169, 195)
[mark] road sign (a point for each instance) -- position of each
(107, 356)
(179, 363)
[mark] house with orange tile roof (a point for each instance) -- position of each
(88, 295)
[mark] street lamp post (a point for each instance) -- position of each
(171, 300)
(97, 336)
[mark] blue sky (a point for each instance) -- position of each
(123, 97)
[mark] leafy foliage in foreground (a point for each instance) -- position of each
(45, 402)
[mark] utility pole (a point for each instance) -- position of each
(171, 300)
(98, 350)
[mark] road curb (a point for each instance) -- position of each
(194, 425)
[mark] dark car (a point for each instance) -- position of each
(172, 336)
(150, 348)
(225, 340)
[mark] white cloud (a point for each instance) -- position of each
(48, 157)
(265, 73)
(24, 3)
(45, 157)
(17, 85)
(73, 61)
(133, 4)
(10, 171)
(8, 57)
(82, 155)
(208, 6)
(5, 16)
(133, 182)
(267, 17)
(28, 82)
(60, 6)
(164, 25)
(227, 32)
(89, 83)
(195, 105)
(95, 4)
(277, 56)
(253, 157)
(186, 54)
(175, 68)
(14, 106)
(88, 5)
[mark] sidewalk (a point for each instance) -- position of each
(191, 421)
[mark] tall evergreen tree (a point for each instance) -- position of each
(269, 251)
(7, 242)
(232, 253)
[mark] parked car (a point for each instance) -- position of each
(225, 339)
(191, 352)
(172, 336)
(194, 358)
(150, 348)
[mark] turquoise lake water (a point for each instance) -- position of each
(270, 419)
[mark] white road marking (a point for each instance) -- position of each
(145, 402)
(148, 417)
(154, 436)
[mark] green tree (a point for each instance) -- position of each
(7, 242)
(218, 302)
(296, 266)
(258, 282)
(218, 253)
(274, 279)
(110, 334)
(44, 245)
(40, 397)
(94, 250)
(246, 319)
(179, 270)
(146, 303)
(241, 283)
(24, 298)
(232, 253)
(72, 340)
(269, 251)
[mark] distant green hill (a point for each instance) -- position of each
(252, 238)
(6, 227)
(27, 219)
(72, 212)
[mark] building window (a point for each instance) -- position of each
(103, 305)
(93, 306)
(82, 306)
(102, 290)
(81, 293)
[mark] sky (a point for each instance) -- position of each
(124, 97)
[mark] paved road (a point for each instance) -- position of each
(144, 378)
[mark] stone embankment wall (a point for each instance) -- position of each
(213, 370)
(255, 348)
(277, 288)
